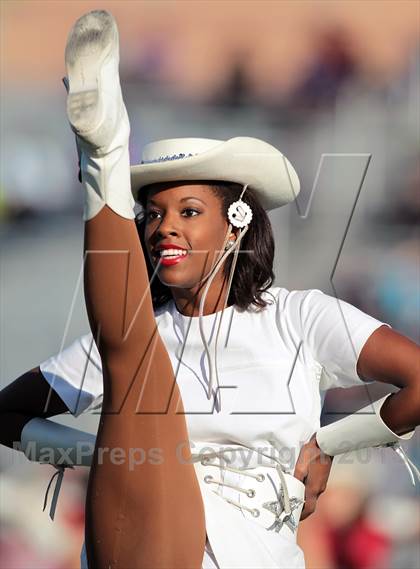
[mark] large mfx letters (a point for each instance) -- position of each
(337, 185)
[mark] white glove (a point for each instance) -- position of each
(48, 442)
(363, 429)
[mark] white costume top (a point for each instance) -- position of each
(274, 366)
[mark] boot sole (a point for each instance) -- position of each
(93, 38)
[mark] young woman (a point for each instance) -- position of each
(209, 450)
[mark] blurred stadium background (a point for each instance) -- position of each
(330, 84)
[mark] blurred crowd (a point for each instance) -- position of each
(369, 517)
(360, 522)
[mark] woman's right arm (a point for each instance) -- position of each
(29, 396)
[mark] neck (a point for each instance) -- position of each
(188, 300)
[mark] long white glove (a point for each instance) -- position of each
(46, 441)
(363, 429)
(63, 447)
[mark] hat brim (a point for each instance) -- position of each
(243, 160)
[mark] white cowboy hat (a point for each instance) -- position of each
(242, 159)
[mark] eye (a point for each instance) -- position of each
(151, 214)
(191, 212)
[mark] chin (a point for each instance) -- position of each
(173, 280)
(169, 276)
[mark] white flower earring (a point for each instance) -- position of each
(239, 214)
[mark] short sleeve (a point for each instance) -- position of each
(76, 375)
(334, 332)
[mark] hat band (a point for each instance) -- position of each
(168, 158)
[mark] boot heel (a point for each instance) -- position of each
(83, 110)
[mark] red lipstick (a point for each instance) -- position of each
(172, 259)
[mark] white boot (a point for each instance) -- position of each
(97, 114)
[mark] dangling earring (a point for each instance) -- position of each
(229, 244)
(239, 212)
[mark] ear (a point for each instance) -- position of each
(234, 234)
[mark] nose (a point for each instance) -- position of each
(167, 227)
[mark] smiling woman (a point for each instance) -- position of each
(186, 217)
(196, 359)
(200, 219)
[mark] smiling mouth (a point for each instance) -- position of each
(170, 256)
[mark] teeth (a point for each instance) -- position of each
(172, 252)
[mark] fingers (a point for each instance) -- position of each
(308, 509)
(315, 486)
(313, 469)
(308, 455)
(311, 500)
(301, 470)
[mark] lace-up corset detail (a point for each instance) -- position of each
(265, 494)
(249, 492)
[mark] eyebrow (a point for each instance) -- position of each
(182, 200)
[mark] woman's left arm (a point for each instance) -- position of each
(390, 357)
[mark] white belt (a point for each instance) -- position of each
(264, 494)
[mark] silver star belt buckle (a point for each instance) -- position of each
(277, 508)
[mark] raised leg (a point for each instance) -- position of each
(144, 508)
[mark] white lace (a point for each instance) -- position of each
(219, 263)
(413, 471)
(204, 458)
(59, 473)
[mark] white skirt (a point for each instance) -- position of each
(235, 538)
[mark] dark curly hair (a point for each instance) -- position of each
(253, 272)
